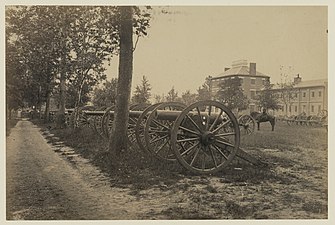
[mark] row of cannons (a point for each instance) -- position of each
(319, 120)
(203, 137)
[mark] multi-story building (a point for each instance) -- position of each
(310, 97)
(252, 80)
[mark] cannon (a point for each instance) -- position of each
(203, 137)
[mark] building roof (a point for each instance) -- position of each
(308, 83)
(239, 68)
(311, 83)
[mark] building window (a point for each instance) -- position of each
(252, 94)
(303, 108)
(312, 108)
(296, 95)
(312, 93)
(304, 94)
(253, 81)
(319, 108)
(289, 108)
(295, 108)
(320, 94)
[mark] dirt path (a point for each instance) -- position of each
(42, 185)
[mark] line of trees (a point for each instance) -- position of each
(61, 51)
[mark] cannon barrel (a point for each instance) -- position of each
(160, 114)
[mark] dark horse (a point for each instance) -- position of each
(263, 117)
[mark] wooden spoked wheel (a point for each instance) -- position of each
(157, 131)
(205, 137)
(107, 122)
(97, 123)
(247, 124)
(131, 132)
(140, 124)
(80, 119)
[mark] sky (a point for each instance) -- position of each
(192, 42)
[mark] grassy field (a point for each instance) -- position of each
(293, 186)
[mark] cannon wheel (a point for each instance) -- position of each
(140, 124)
(78, 118)
(107, 122)
(247, 124)
(97, 122)
(131, 132)
(157, 133)
(205, 137)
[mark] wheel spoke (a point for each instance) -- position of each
(188, 130)
(160, 124)
(213, 157)
(219, 150)
(158, 139)
(221, 126)
(188, 139)
(195, 156)
(194, 123)
(224, 134)
(216, 120)
(189, 149)
(162, 146)
(209, 116)
(225, 143)
(203, 163)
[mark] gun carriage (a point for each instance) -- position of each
(203, 137)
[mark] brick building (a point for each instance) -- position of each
(252, 80)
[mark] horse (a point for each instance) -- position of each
(263, 117)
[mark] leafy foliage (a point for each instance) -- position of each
(59, 46)
(188, 98)
(142, 92)
(105, 96)
(172, 95)
(231, 94)
(204, 91)
(268, 99)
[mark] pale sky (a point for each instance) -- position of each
(184, 47)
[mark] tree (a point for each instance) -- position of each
(172, 95)
(188, 98)
(118, 140)
(142, 92)
(15, 84)
(286, 90)
(105, 96)
(231, 94)
(268, 98)
(32, 32)
(205, 91)
(159, 98)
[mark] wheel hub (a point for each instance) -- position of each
(207, 138)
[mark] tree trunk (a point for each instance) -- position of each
(60, 118)
(47, 106)
(118, 140)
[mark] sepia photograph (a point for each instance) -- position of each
(211, 112)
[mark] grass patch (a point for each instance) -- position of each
(142, 170)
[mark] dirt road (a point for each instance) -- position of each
(42, 185)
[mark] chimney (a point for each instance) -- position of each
(297, 79)
(252, 69)
(226, 68)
